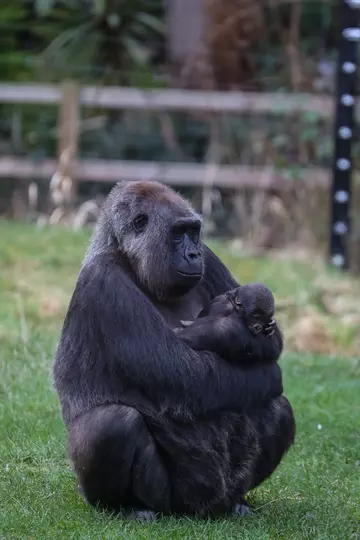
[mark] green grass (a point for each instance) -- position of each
(315, 492)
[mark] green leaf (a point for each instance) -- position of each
(309, 134)
(137, 52)
(151, 22)
(99, 7)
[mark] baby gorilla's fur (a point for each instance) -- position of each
(246, 310)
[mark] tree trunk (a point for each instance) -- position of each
(186, 50)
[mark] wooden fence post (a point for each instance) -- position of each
(63, 183)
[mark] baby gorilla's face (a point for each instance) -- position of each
(255, 304)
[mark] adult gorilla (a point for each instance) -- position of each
(130, 389)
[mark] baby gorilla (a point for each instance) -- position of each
(248, 310)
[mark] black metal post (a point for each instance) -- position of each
(349, 18)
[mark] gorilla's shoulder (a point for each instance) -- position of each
(217, 278)
(99, 272)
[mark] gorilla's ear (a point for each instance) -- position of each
(186, 324)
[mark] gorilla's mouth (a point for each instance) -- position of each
(189, 274)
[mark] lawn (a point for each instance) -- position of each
(315, 492)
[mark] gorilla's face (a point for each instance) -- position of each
(186, 259)
(160, 235)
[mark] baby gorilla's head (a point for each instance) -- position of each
(256, 305)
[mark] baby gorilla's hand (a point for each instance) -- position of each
(178, 330)
(270, 328)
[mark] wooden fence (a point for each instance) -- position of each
(69, 97)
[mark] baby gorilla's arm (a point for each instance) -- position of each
(212, 330)
(226, 336)
(203, 334)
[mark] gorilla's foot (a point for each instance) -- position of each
(241, 509)
(144, 516)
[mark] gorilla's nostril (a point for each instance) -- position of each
(193, 255)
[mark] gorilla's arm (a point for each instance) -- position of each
(114, 341)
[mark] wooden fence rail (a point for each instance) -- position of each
(226, 176)
(159, 100)
(182, 100)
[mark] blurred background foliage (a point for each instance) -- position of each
(246, 45)
(108, 41)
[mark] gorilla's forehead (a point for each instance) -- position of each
(155, 196)
(150, 190)
(257, 295)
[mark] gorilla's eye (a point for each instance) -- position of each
(178, 237)
(257, 328)
(140, 222)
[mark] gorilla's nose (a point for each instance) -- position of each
(191, 255)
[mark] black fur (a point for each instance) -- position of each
(134, 397)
